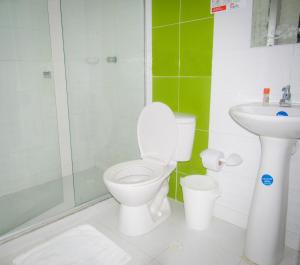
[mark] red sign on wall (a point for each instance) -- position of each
(218, 9)
(225, 5)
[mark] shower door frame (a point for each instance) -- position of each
(63, 122)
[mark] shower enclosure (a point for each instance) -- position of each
(71, 89)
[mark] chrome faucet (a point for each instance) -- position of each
(285, 101)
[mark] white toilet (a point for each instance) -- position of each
(141, 186)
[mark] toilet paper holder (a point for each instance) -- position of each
(232, 160)
(214, 159)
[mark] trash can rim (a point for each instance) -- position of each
(193, 186)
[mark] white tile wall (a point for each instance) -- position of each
(239, 75)
(29, 138)
(7, 44)
(104, 98)
(5, 13)
(33, 44)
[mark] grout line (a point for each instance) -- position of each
(165, 76)
(178, 88)
(201, 130)
(176, 184)
(197, 19)
(185, 174)
(195, 76)
(179, 57)
(182, 22)
(182, 76)
(166, 25)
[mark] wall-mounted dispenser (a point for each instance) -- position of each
(215, 160)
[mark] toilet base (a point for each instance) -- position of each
(135, 221)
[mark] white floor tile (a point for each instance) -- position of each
(157, 240)
(138, 257)
(171, 243)
(196, 250)
(244, 261)
(154, 262)
(14, 248)
(291, 257)
(227, 236)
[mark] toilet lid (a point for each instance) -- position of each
(157, 132)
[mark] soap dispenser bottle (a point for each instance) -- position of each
(266, 96)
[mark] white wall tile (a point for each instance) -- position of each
(239, 75)
(6, 19)
(33, 44)
(7, 44)
(28, 107)
(132, 31)
(30, 14)
(103, 127)
(30, 75)
(295, 70)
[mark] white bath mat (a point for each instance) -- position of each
(83, 245)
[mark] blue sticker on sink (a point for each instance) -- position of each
(267, 179)
(282, 113)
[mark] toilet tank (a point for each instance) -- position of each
(186, 131)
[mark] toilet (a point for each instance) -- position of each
(141, 186)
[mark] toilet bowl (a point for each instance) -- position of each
(141, 186)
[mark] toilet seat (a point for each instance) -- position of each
(157, 139)
(141, 186)
(134, 173)
(157, 133)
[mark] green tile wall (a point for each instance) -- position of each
(182, 40)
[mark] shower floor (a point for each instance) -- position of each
(34, 205)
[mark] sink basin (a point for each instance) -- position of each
(268, 120)
(279, 130)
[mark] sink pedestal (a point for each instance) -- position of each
(265, 236)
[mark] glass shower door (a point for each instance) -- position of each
(104, 57)
(30, 167)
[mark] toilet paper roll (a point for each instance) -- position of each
(211, 159)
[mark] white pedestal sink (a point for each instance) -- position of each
(279, 129)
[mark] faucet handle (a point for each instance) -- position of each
(286, 89)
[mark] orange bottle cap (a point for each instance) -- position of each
(266, 90)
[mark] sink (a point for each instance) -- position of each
(268, 120)
(279, 130)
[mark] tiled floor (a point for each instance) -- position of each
(172, 243)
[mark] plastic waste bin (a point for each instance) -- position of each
(199, 194)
